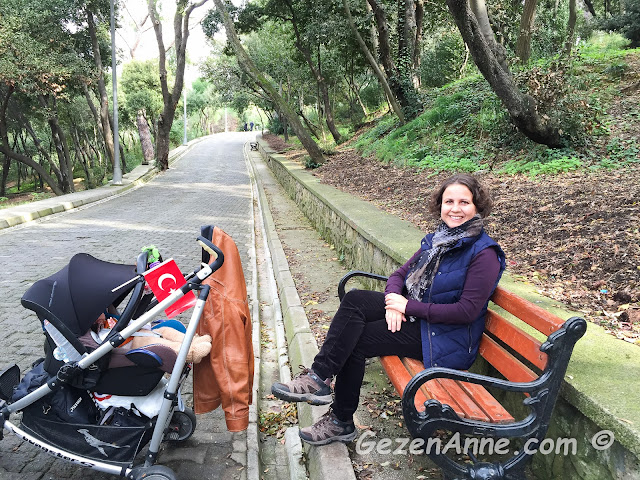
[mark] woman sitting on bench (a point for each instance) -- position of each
(433, 309)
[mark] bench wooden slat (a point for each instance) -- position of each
(399, 376)
(508, 365)
(433, 388)
(538, 318)
(475, 401)
(447, 391)
(522, 342)
(468, 404)
(491, 407)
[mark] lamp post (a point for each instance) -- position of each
(117, 171)
(184, 102)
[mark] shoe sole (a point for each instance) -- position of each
(349, 437)
(310, 398)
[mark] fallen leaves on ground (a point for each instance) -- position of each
(276, 421)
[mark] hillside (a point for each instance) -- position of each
(574, 234)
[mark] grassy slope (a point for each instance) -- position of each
(464, 127)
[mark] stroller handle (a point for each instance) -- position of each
(212, 250)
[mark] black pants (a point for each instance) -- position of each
(359, 331)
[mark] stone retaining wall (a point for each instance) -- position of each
(382, 248)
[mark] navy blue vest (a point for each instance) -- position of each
(455, 346)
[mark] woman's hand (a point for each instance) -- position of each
(394, 320)
(394, 301)
(395, 307)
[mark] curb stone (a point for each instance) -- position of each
(253, 439)
(328, 461)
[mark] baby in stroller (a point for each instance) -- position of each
(119, 358)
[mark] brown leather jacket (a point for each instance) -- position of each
(225, 377)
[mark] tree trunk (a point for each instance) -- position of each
(6, 164)
(407, 34)
(397, 109)
(310, 126)
(419, 14)
(571, 26)
(123, 159)
(33, 164)
(400, 83)
(373, 33)
(354, 89)
(479, 9)
(248, 66)
(98, 179)
(523, 46)
(107, 133)
(521, 107)
(38, 144)
(145, 138)
(60, 144)
(171, 98)
(77, 143)
(4, 137)
(317, 74)
(589, 5)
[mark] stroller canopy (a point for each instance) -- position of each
(80, 292)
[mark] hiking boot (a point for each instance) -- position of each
(306, 387)
(328, 430)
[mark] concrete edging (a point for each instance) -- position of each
(328, 461)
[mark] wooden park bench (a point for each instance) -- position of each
(457, 401)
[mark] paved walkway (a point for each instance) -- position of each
(208, 185)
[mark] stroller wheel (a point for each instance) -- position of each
(156, 472)
(182, 426)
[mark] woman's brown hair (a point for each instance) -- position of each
(481, 198)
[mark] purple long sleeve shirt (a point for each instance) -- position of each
(481, 277)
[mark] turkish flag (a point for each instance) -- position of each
(163, 280)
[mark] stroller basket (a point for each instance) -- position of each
(104, 443)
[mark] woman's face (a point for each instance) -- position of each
(457, 205)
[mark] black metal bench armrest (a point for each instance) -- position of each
(543, 390)
(543, 395)
(356, 273)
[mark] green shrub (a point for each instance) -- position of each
(623, 151)
(441, 58)
(627, 23)
(309, 163)
(546, 161)
(616, 70)
(603, 44)
(444, 163)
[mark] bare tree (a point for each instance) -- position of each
(171, 97)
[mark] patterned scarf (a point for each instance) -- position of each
(422, 271)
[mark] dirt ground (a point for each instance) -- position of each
(576, 236)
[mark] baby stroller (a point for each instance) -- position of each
(59, 414)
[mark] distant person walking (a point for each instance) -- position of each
(251, 125)
(245, 126)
